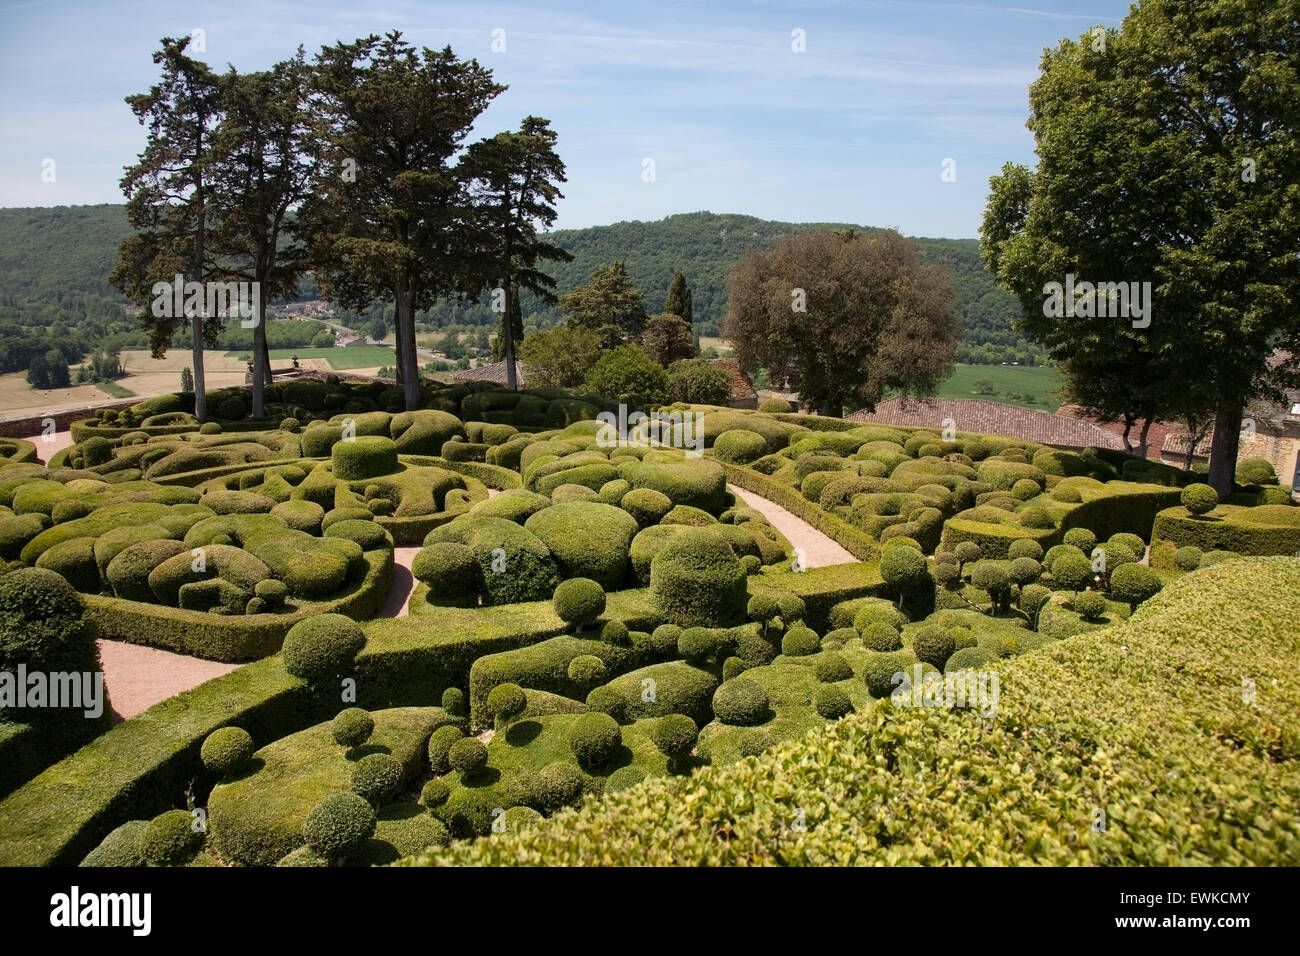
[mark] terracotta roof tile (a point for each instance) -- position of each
(977, 415)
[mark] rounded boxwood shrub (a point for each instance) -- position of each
(771, 406)
(1024, 489)
(831, 702)
(435, 793)
(791, 608)
(1134, 583)
(646, 505)
(585, 670)
(1070, 572)
(376, 777)
(1210, 558)
(453, 702)
(606, 700)
(506, 701)
(739, 447)
(1036, 518)
(1256, 471)
(209, 428)
(831, 666)
(1024, 571)
(272, 592)
(587, 539)
(450, 570)
(615, 632)
(1067, 495)
(675, 736)
(933, 645)
(169, 839)
(699, 644)
(369, 535)
(1116, 554)
(1081, 538)
(879, 611)
(226, 751)
(1200, 499)
(99, 451)
(1188, 558)
(904, 569)
(696, 579)
(322, 648)
(762, 608)
(967, 659)
(440, 744)
(1131, 541)
(741, 702)
(968, 551)
(1033, 597)
(947, 572)
(578, 601)
(800, 642)
(120, 848)
(352, 727)
(291, 425)
(879, 636)
(339, 825)
(612, 492)
(993, 577)
(595, 739)
(467, 756)
(624, 777)
(879, 670)
(362, 457)
(1025, 548)
(557, 785)
(1089, 605)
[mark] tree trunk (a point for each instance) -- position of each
(1142, 438)
(200, 391)
(261, 355)
(1223, 453)
(512, 304)
(1128, 427)
(200, 388)
(407, 366)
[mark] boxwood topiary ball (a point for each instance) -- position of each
(169, 839)
(1025, 548)
(339, 825)
(1024, 571)
(1188, 558)
(606, 700)
(879, 670)
(1081, 538)
(506, 701)
(1200, 499)
(449, 569)
(933, 645)
(271, 591)
(674, 735)
(741, 702)
(800, 642)
(831, 666)
(578, 601)
(226, 751)
(453, 702)
(946, 573)
(377, 777)
(903, 568)
(761, 607)
(440, 744)
(614, 632)
(467, 755)
(646, 505)
(435, 793)
(364, 456)
(1033, 597)
(967, 658)
(322, 648)
(587, 670)
(831, 702)
(1070, 572)
(791, 608)
(209, 428)
(595, 740)
(696, 579)
(1134, 583)
(1089, 605)
(557, 785)
(1131, 541)
(352, 727)
(878, 636)
(1036, 518)
(752, 563)
(624, 777)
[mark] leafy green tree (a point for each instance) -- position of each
(609, 304)
(260, 173)
(515, 179)
(389, 211)
(667, 338)
(679, 298)
(167, 200)
(1167, 153)
(560, 356)
(627, 374)
(698, 382)
(849, 317)
(187, 380)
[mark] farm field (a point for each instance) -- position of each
(1024, 385)
(339, 359)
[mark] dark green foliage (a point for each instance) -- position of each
(1188, 558)
(675, 736)
(339, 825)
(740, 447)
(120, 848)
(762, 607)
(226, 751)
(879, 636)
(1033, 597)
(879, 670)
(832, 703)
(606, 700)
(800, 642)
(741, 702)
(435, 793)
(578, 601)
(967, 658)
(364, 456)
(1024, 571)
(467, 756)
(595, 740)
(615, 632)
(646, 505)
(506, 701)
(1025, 548)
(587, 539)
(1255, 471)
(1134, 583)
(933, 645)
(1070, 572)
(1036, 518)
(1200, 499)
(904, 569)
(322, 648)
(376, 777)
(792, 608)
(1089, 605)
(170, 839)
(557, 785)
(1081, 538)
(450, 570)
(586, 670)
(440, 744)
(696, 579)
(831, 666)
(453, 702)
(352, 727)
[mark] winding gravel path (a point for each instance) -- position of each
(137, 677)
(819, 550)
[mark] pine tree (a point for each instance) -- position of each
(187, 380)
(679, 298)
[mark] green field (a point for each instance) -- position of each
(340, 359)
(1007, 381)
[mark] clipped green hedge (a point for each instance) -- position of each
(1262, 530)
(1155, 735)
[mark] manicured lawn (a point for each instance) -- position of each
(117, 391)
(1035, 385)
(340, 359)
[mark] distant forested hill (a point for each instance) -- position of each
(54, 292)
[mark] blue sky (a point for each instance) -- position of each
(855, 128)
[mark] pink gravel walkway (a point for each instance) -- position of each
(48, 446)
(819, 550)
(399, 595)
(137, 677)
